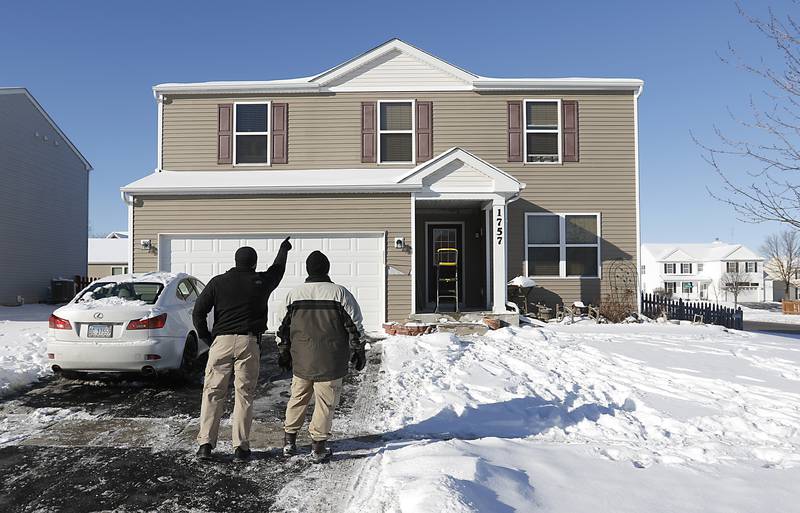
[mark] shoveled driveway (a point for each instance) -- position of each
(128, 444)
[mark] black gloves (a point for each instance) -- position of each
(286, 245)
(285, 360)
(359, 359)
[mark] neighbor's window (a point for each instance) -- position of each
(699, 268)
(751, 267)
(687, 287)
(669, 268)
(563, 245)
(686, 268)
(396, 132)
(670, 287)
(251, 133)
(642, 269)
(119, 270)
(732, 267)
(542, 126)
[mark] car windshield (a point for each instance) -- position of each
(128, 290)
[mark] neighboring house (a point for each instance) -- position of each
(383, 160)
(695, 271)
(117, 235)
(44, 200)
(776, 286)
(108, 256)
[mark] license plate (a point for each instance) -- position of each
(100, 331)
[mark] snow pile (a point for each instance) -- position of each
(586, 418)
(23, 357)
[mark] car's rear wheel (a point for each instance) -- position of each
(189, 358)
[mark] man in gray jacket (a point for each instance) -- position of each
(320, 333)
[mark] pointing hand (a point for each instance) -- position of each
(286, 245)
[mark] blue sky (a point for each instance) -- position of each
(92, 66)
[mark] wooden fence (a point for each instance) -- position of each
(653, 306)
(791, 307)
(81, 282)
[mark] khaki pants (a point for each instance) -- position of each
(326, 397)
(237, 354)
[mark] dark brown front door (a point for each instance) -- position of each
(444, 236)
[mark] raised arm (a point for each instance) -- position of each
(274, 274)
(202, 306)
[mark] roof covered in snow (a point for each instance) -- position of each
(108, 251)
(426, 72)
(701, 252)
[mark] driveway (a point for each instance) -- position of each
(128, 445)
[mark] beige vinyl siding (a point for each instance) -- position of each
(103, 270)
(324, 132)
(390, 213)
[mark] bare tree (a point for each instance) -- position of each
(771, 149)
(782, 251)
(733, 282)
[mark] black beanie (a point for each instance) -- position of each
(246, 257)
(317, 264)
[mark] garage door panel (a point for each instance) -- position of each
(357, 262)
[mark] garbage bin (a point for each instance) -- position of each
(62, 290)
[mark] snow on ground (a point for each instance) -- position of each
(23, 357)
(586, 417)
(769, 311)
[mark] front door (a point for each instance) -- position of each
(444, 236)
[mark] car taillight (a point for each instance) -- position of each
(150, 323)
(57, 323)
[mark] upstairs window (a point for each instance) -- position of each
(251, 134)
(686, 268)
(563, 245)
(396, 132)
(751, 267)
(732, 267)
(699, 268)
(542, 131)
(669, 268)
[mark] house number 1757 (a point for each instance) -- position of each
(498, 230)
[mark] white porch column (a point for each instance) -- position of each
(498, 241)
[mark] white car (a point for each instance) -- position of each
(130, 322)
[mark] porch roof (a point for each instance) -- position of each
(451, 163)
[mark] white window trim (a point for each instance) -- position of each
(413, 131)
(674, 268)
(727, 267)
(562, 245)
(674, 287)
(526, 131)
(123, 269)
(690, 267)
(747, 267)
(268, 103)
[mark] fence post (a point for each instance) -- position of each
(739, 318)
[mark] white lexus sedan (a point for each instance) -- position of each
(124, 323)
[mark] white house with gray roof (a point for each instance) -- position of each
(696, 271)
(44, 200)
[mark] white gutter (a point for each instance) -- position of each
(545, 84)
(294, 189)
(237, 87)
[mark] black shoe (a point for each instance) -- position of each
(289, 444)
(241, 455)
(320, 453)
(204, 452)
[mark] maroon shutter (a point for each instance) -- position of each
(424, 131)
(569, 133)
(515, 131)
(368, 132)
(224, 133)
(280, 133)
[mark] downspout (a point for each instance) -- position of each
(638, 211)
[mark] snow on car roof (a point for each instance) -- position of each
(161, 277)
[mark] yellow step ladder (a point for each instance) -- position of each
(446, 276)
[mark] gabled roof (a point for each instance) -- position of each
(331, 79)
(702, 252)
(319, 181)
(23, 91)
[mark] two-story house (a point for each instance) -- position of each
(385, 159)
(703, 271)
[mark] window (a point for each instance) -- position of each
(198, 285)
(797, 293)
(797, 275)
(754, 285)
(186, 291)
(129, 291)
(669, 268)
(396, 132)
(699, 268)
(119, 270)
(642, 269)
(563, 245)
(750, 267)
(670, 287)
(251, 134)
(687, 287)
(542, 131)
(686, 268)
(732, 267)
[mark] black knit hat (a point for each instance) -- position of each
(317, 264)
(246, 257)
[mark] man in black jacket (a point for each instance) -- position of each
(239, 299)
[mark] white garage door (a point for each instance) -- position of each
(357, 262)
